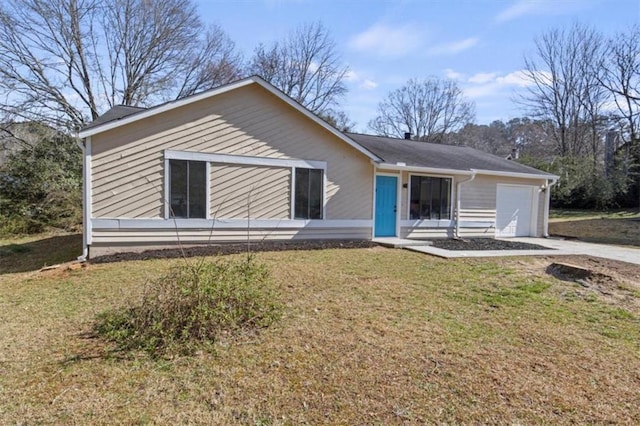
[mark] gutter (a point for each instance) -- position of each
(458, 197)
(85, 246)
(547, 188)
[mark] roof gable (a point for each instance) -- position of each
(116, 119)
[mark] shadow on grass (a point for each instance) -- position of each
(625, 232)
(33, 255)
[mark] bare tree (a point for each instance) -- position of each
(66, 61)
(621, 76)
(565, 88)
(305, 66)
(428, 109)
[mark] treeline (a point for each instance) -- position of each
(63, 63)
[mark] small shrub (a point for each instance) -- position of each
(193, 306)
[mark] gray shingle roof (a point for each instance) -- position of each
(431, 155)
(115, 113)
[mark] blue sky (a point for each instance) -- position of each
(480, 43)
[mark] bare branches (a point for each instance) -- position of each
(66, 61)
(428, 109)
(565, 89)
(305, 66)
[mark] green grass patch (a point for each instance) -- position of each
(374, 336)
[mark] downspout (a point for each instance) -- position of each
(547, 188)
(456, 234)
(85, 246)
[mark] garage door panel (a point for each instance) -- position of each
(514, 210)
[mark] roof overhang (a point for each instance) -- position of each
(225, 89)
(434, 170)
(469, 172)
(516, 174)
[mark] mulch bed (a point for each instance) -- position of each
(222, 249)
(484, 244)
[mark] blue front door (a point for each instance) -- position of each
(386, 198)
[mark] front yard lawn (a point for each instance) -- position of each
(621, 228)
(369, 336)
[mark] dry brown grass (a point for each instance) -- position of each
(370, 336)
(621, 228)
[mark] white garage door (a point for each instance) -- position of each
(514, 210)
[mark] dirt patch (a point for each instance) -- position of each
(221, 249)
(484, 244)
(614, 282)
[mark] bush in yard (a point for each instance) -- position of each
(194, 305)
(41, 183)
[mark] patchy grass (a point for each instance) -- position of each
(559, 215)
(619, 227)
(30, 253)
(368, 336)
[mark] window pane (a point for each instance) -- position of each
(430, 198)
(425, 198)
(301, 208)
(435, 198)
(414, 208)
(197, 189)
(178, 188)
(446, 198)
(315, 194)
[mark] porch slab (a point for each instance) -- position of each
(395, 242)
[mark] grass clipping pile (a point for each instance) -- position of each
(193, 306)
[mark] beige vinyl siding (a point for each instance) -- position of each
(478, 202)
(128, 161)
(478, 206)
(238, 192)
(542, 200)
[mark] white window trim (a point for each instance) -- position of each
(429, 223)
(243, 159)
(208, 158)
(167, 188)
(293, 192)
(180, 223)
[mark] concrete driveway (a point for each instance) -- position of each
(556, 247)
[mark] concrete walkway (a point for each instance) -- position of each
(557, 247)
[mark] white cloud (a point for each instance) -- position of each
(351, 75)
(454, 47)
(453, 75)
(387, 41)
(368, 84)
(482, 85)
(523, 8)
(481, 77)
(518, 9)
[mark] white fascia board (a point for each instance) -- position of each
(244, 160)
(180, 224)
(224, 89)
(433, 170)
(515, 174)
(163, 108)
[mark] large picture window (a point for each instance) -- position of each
(308, 194)
(188, 189)
(430, 198)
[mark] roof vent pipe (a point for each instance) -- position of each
(407, 136)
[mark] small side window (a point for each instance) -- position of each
(308, 194)
(188, 189)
